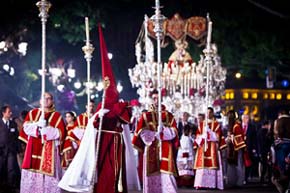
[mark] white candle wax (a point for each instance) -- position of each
(209, 30)
(157, 3)
(87, 31)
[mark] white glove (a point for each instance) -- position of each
(168, 133)
(31, 129)
(199, 139)
(212, 136)
(41, 123)
(157, 135)
(148, 137)
(203, 136)
(78, 132)
(230, 138)
(102, 112)
(49, 133)
(207, 128)
(75, 145)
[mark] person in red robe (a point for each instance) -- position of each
(41, 169)
(158, 172)
(111, 163)
(99, 165)
(81, 123)
(75, 131)
(209, 141)
(68, 150)
(235, 152)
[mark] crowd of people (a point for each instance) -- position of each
(46, 154)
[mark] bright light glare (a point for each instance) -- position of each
(110, 56)
(77, 84)
(2, 45)
(238, 75)
(22, 48)
(6, 67)
(100, 86)
(60, 87)
(12, 71)
(71, 72)
(119, 87)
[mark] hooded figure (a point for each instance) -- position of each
(99, 165)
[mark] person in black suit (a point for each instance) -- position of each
(9, 147)
(265, 138)
(183, 122)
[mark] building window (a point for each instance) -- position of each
(254, 95)
(278, 96)
(232, 95)
(227, 96)
(245, 95)
(272, 96)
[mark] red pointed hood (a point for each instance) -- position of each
(112, 95)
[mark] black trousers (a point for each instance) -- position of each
(266, 169)
(9, 170)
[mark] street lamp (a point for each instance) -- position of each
(94, 87)
(238, 75)
(8, 69)
(60, 73)
(78, 84)
(22, 48)
(6, 45)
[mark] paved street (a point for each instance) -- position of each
(250, 188)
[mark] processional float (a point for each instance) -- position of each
(183, 82)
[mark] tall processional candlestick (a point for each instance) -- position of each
(208, 62)
(158, 20)
(43, 7)
(88, 50)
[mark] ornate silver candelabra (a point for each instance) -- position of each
(183, 81)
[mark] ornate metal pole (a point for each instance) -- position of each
(158, 20)
(208, 61)
(43, 7)
(88, 50)
(106, 84)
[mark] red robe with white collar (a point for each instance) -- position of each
(40, 157)
(167, 164)
(209, 158)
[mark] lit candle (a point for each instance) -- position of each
(188, 84)
(209, 30)
(87, 31)
(157, 3)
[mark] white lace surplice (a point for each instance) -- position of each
(39, 183)
(161, 183)
(185, 164)
(210, 178)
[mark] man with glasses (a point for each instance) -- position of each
(41, 169)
